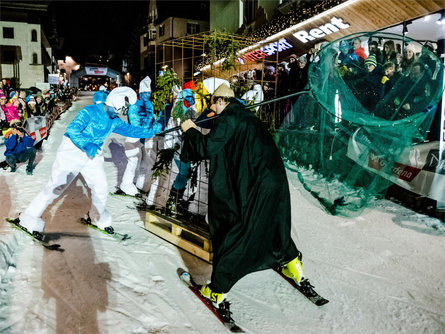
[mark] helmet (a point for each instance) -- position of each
(117, 96)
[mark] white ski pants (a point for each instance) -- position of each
(70, 161)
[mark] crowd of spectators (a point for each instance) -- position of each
(392, 81)
(16, 107)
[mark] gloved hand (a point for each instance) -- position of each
(157, 127)
(91, 149)
(187, 124)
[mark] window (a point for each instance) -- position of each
(34, 58)
(161, 30)
(192, 28)
(34, 35)
(250, 8)
(8, 32)
(8, 56)
(152, 34)
(145, 40)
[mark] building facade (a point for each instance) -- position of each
(164, 24)
(26, 56)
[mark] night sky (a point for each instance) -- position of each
(90, 28)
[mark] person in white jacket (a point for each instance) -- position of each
(254, 96)
(140, 153)
(81, 153)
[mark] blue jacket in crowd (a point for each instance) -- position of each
(15, 144)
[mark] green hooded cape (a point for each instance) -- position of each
(249, 201)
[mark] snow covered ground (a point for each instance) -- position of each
(383, 272)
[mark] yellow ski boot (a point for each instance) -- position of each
(294, 270)
(214, 297)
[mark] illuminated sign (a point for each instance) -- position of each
(267, 50)
(96, 70)
(335, 25)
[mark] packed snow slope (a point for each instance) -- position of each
(383, 272)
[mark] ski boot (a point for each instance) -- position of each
(294, 269)
(215, 297)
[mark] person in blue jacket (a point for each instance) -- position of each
(81, 152)
(19, 147)
(138, 151)
(101, 95)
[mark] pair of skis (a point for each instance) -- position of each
(222, 311)
(40, 238)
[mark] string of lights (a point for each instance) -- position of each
(304, 11)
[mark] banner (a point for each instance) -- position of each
(53, 79)
(96, 70)
(420, 168)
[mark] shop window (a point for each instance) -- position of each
(161, 30)
(34, 35)
(8, 56)
(34, 58)
(192, 28)
(250, 7)
(8, 32)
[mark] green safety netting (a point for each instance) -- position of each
(343, 139)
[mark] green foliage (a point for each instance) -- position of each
(178, 111)
(220, 45)
(164, 85)
(164, 160)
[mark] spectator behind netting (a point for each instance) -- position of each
(347, 60)
(409, 58)
(359, 50)
(398, 63)
(282, 79)
(254, 96)
(428, 59)
(389, 78)
(389, 52)
(368, 87)
(373, 48)
(398, 105)
(302, 73)
(19, 147)
(293, 69)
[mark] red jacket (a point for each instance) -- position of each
(360, 53)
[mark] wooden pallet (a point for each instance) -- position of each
(194, 238)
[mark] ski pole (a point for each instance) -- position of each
(248, 106)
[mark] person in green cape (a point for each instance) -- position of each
(249, 209)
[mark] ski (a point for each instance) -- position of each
(39, 238)
(114, 235)
(222, 312)
(305, 288)
(119, 192)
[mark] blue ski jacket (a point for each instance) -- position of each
(92, 125)
(140, 114)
